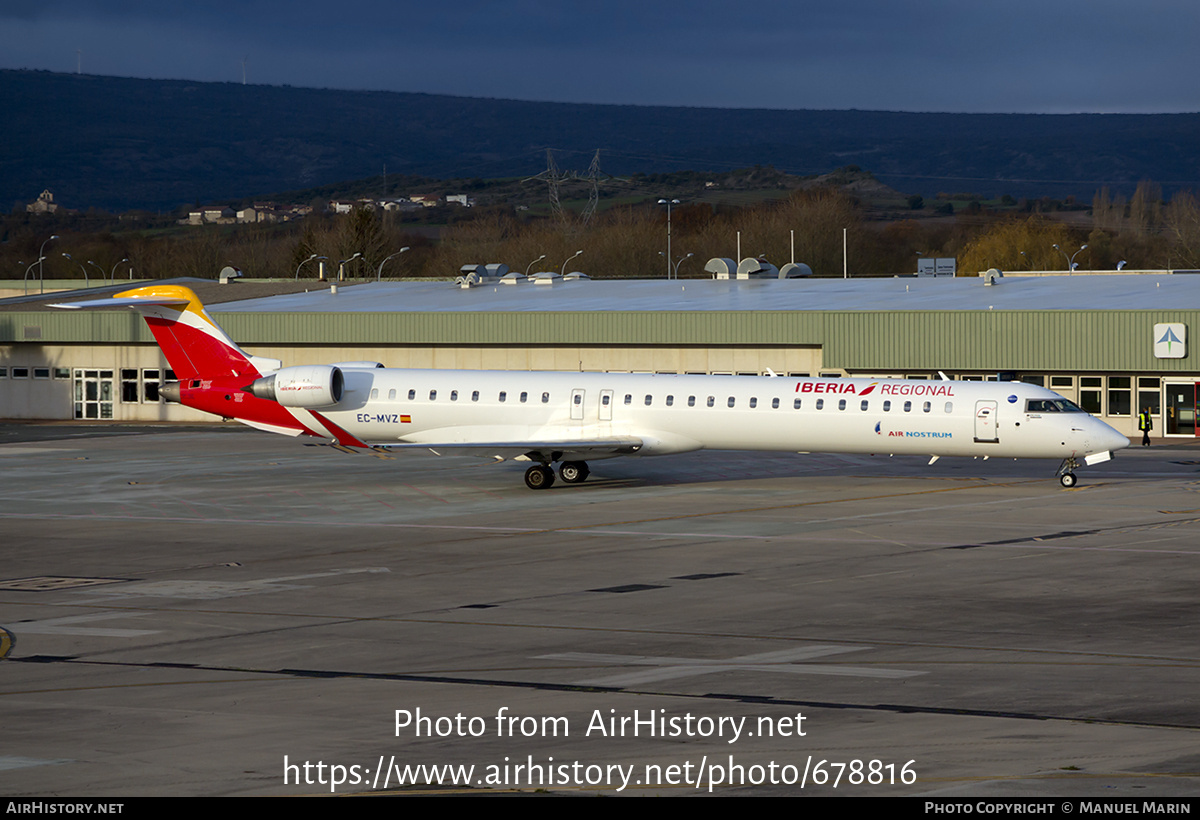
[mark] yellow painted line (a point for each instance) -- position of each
(6, 642)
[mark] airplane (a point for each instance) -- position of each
(571, 418)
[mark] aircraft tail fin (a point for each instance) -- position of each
(195, 346)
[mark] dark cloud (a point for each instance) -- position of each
(869, 54)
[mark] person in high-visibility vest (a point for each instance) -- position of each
(1145, 424)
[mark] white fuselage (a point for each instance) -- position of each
(674, 414)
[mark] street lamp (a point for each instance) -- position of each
(379, 273)
(668, 203)
(563, 272)
(97, 267)
(677, 263)
(342, 266)
(41, 267)
(305, 262)
(113, 273)
(86, 282)
(534, 262)
(1027, 260)
(28, 269)
(1070, 259)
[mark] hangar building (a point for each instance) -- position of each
(1113, 343)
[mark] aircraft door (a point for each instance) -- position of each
(577, 396)
(606, 403)
(985, 422)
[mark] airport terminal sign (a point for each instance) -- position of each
(1170, 340)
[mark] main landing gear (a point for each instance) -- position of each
(1066, 473)
(541, 476)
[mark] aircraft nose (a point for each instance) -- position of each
(1110, 439)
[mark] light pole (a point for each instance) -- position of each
(28, 269)
(342, 266)
(563, 272)
(1070, 259)
(534, 262)
(97, 267)
(1027, 262)
(86, 282)
(113, 272)
(678, 262)
(668, 203)
(379, 273)
(41, 266)
(305, 262)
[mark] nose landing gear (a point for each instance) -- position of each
(1066, 472)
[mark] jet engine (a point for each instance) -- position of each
(316, 385)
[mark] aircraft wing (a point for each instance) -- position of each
(565, 449)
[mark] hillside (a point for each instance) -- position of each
(119, 143)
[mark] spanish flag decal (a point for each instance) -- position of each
(406, 419)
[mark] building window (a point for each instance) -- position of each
(1150, 394)
(1119, 398)
(1062, 382)
(129, 386)
(41, 372)
(1090, 392)
(20, 372)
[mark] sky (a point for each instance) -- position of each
(1031, 56)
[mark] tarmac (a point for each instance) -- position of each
(218, 611)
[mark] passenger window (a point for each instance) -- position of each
(907, 406)
(949, 407)
(711, 401)
(820, 404)
(392, 395)
(524, 397)
(887, 406)
(605, 399)
(796, 404)
(578, 399)
(753, 402)
(927, 407)
(731, 401)
(649, 399)
(453, 395)
(774, 404)
(841, 404)
(412, 395)
(475, 395)
(433, 395)
(503, 395)
(670, 401)
(864, 404)
(629, 398)
(691, 401)
(545, 398)
(375, 393)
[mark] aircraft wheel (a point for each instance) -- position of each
(538, 477)
(574, 472)
(1068, 479)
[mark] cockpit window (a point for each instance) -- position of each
(1051, 406)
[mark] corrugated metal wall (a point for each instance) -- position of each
(1066, 341)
